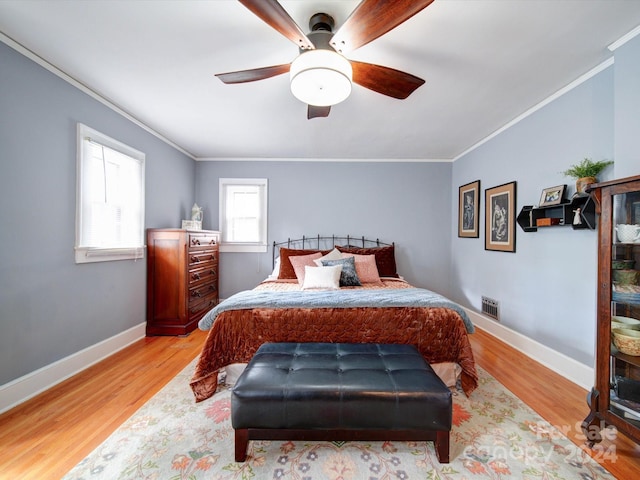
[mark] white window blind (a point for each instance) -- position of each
(110, 199)
(243, 214)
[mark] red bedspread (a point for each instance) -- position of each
(438, 333)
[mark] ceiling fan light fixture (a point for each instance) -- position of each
(321, 77)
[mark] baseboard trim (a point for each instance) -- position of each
(31, 384)
(569, 368)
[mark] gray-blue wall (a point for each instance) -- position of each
(627, 109)
(49, 306)
(405, 203)
(547, 289)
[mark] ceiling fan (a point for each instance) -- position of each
(321, 75)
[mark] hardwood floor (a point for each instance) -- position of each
(48, 435)
(561, 402)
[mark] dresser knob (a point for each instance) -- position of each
(195, 259)
(195, 276)
(195, 241)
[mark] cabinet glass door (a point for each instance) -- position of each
(624, 395)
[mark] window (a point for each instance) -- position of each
(109, 199)
(243, 214)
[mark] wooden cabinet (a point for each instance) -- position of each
(615, 397)
(182, 279)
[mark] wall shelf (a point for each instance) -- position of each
(559, 215)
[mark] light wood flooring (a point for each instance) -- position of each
(48, 435)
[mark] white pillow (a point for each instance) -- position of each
(334, 254)
(322, 277)
(276, 269)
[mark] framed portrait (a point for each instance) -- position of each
(552, 196)
(500, 218)
(469, 210)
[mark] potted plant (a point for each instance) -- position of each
(586, 172)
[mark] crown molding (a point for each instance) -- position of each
(624, 39)
(88, 91)
(326, 160)
(577, 82)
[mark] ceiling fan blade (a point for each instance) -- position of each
(274, 15)
(314, 111)
(372, 19)
(385, 80)
(244, 76)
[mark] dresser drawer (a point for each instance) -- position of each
(197, 310)
(203, 274)
(196, 294)
(204, 258)
(202, 240)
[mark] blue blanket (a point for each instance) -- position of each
(405, 297)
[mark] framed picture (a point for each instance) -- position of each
(500, 218)
(469, 210)
(552, 196)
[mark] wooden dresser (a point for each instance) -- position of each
(182, 279)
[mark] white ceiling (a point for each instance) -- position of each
(485, 62)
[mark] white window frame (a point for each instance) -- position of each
(85, 253)
(226, 245)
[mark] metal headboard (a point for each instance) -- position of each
(321, 242)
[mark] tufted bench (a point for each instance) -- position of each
(340, 391)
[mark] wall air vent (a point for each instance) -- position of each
(491, 308)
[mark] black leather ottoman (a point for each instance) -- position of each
(340, 391)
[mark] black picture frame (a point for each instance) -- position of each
(552, 195)
(469, 210)
(500, 218)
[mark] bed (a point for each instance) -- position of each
(340, 290)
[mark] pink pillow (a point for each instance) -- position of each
(301, 261)
(365, 267)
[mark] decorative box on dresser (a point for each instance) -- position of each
(182, 279)
(615, 397)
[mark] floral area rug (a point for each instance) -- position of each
(495, 436)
